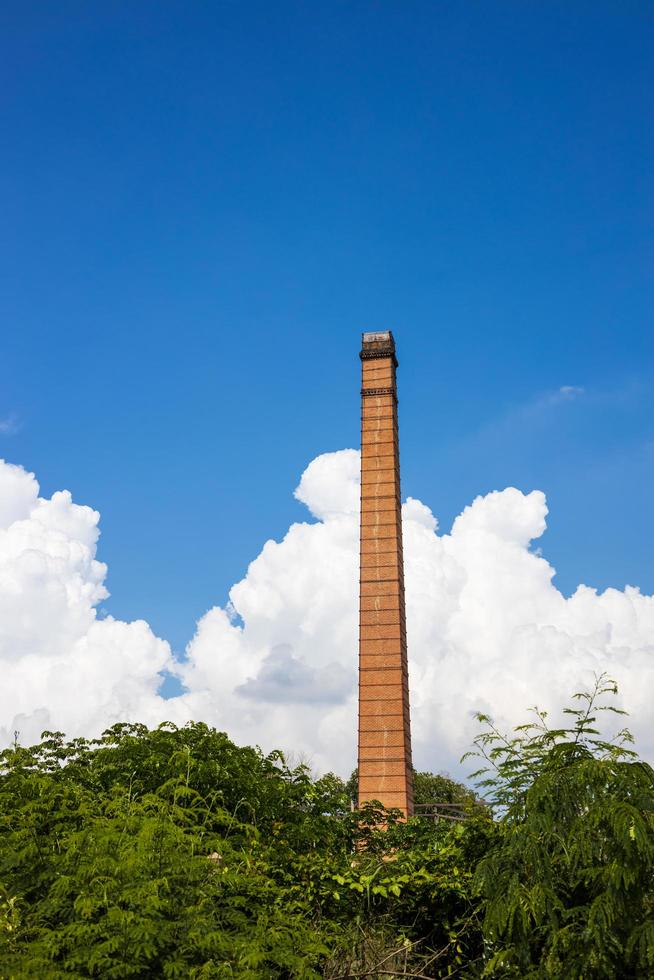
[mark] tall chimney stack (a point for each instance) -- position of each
(385, 771)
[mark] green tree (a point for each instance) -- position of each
(430, 787)
(568, 889)
(145, 855)
(175, 853)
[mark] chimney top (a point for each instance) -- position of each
(378, 344)
(378, 337)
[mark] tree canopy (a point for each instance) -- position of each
(175, 853)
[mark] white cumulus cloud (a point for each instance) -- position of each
(487, 628)
(62, 667)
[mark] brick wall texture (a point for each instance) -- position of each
(385, 771)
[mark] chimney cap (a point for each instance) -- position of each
(378, 337)
(378, 343)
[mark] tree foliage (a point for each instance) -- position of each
(568, 889)
(174, 853)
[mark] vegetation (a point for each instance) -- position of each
(174, 853)
(568, 889)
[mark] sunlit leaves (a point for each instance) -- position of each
(568, 890)
(174, 853)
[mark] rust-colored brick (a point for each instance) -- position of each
(385, 772)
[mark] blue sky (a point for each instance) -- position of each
(205, 204)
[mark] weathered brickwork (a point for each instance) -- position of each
(385, 771)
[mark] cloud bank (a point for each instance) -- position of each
(487, 629)
(60, 665)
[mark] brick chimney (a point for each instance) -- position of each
(385, 771)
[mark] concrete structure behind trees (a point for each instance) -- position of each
(385, 771)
